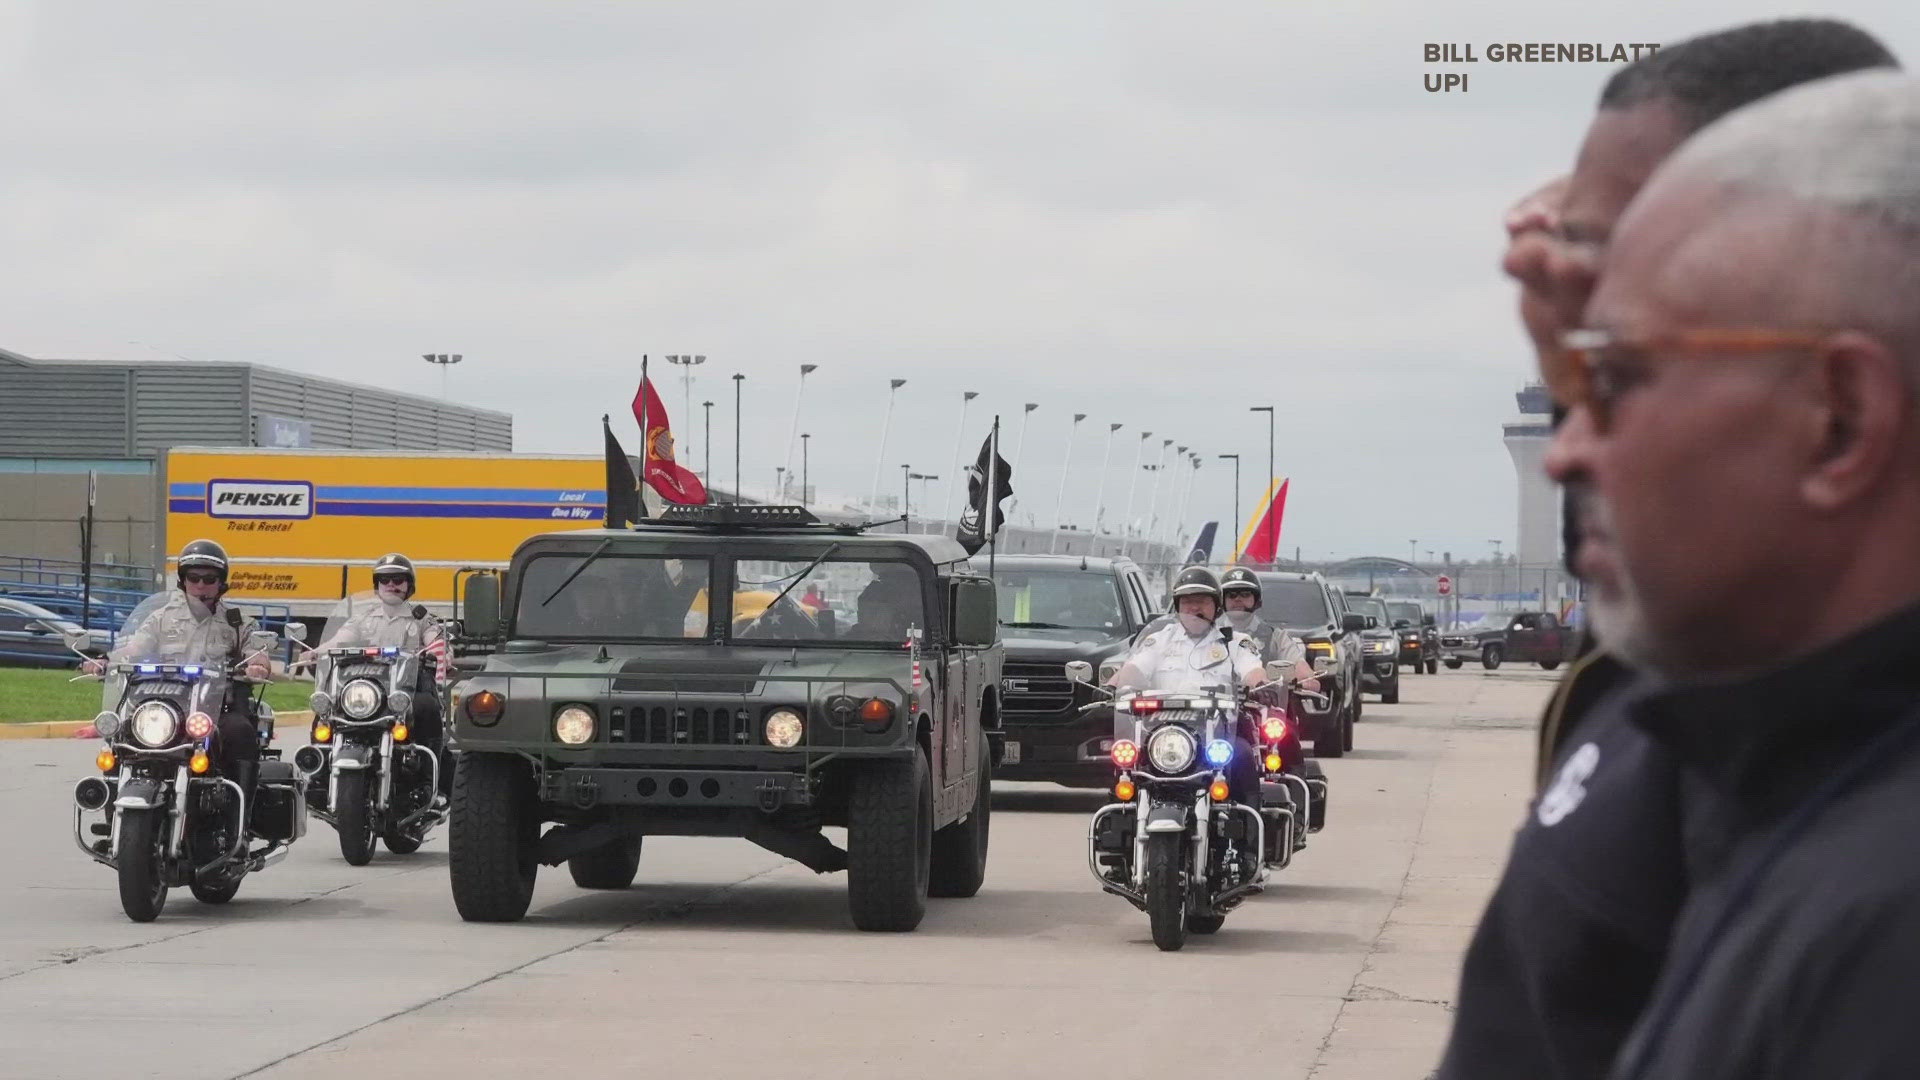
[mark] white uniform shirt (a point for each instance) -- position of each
(380, 625)
(1173, 660)
(185, 631)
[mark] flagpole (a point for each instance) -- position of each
(1100, 500)
(1060, 504)
(1133, 488)
(959, 446)
(646, 443)
(986, 519)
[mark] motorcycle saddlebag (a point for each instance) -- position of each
(280, 809)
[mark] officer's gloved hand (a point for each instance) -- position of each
(1268, 693)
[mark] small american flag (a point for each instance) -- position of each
(437, 649)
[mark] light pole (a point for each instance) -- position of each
(1100, 500)
(1412, 555)
(444, 361)
(686, 364)
(780, 484)
(886, 428)
(805, 370)
(1266, 518)
(1502, 565)
(1153, 503)
(706, 462)
(1235, 538)
(906, 498)
(737, 380)
(1020, 448)
(805, 497)
(1133, 488)
(1060, 504)
(912, 476)
(1186, 494)
(959, 436)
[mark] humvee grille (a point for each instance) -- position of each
(689, 676)
(682, 726)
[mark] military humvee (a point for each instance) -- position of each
(726, 671)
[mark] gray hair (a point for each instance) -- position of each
(1844, 152)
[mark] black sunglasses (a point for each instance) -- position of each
(204, 579)
(390, 579)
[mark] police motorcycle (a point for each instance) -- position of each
(368, 777)
(166, 814)
(1174, 843)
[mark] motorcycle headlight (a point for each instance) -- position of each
(107, 725)
(321, 703)
(360, 699)
(155, 724)
(1171, 749)
(783, 729)
(399, 702)
(573, 725)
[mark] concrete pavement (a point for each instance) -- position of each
(724, 960)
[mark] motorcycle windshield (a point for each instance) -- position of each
(130, 646)
(360, 622)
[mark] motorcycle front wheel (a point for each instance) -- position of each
(1167, 889)
(353, 819)
(143, 891)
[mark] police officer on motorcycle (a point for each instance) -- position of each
(1240, 593)
(195, 626)
(1194, 651)
(392, 621)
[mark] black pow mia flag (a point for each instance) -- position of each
(624, 506)
(989, 482)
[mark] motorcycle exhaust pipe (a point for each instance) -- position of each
(310, 760)
(92, 793)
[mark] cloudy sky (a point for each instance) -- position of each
(1156, 214)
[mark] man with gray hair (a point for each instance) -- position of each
(1576, 932)
(1744, 438)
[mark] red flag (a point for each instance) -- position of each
(675, 483)
(1261, 542)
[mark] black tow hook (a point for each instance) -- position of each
(771, 795)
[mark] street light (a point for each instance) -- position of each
(1020, 448)
(1266, 516)
(686, 364)
(906, 492)
(737, 380)
(1100, 500)
(1235, 539)
(1412, 555)
(445, 361)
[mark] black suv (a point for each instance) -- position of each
(726, 671)
(1315, 612)
(1380, 648)
(1055, 609)
(1419, 637)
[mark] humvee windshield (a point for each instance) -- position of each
(840, 600)
(616, 597)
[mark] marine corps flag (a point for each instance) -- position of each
(989, 482)
(674, 482)
(624, 506)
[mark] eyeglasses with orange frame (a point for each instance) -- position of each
(1595, 367)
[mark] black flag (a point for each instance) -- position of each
(983, 489)
(623, 490)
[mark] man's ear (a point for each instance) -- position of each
(1856, 423)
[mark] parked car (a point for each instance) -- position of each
(1379, 647)
(1317, 614)
(1419, 638)
(1055, 609)
(33, 636)
(1524, 636)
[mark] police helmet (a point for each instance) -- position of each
(1242, 579)
(1196, 581)
(202, 555)
(393, 564)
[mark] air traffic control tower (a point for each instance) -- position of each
(1526, 440)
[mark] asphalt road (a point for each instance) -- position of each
(724, 960)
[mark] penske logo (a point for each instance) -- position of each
(259, 499)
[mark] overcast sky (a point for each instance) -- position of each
(1156, 214)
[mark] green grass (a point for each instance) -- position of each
(45, 694)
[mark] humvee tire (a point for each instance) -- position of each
(493, 838)
(890, 843)
(609, 867)
(960, 850)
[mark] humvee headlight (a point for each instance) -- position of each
(573, 725)
(784, 727)
(1171, 749)
(360, 699)
(155, 724)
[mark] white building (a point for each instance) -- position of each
(1526, 439)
